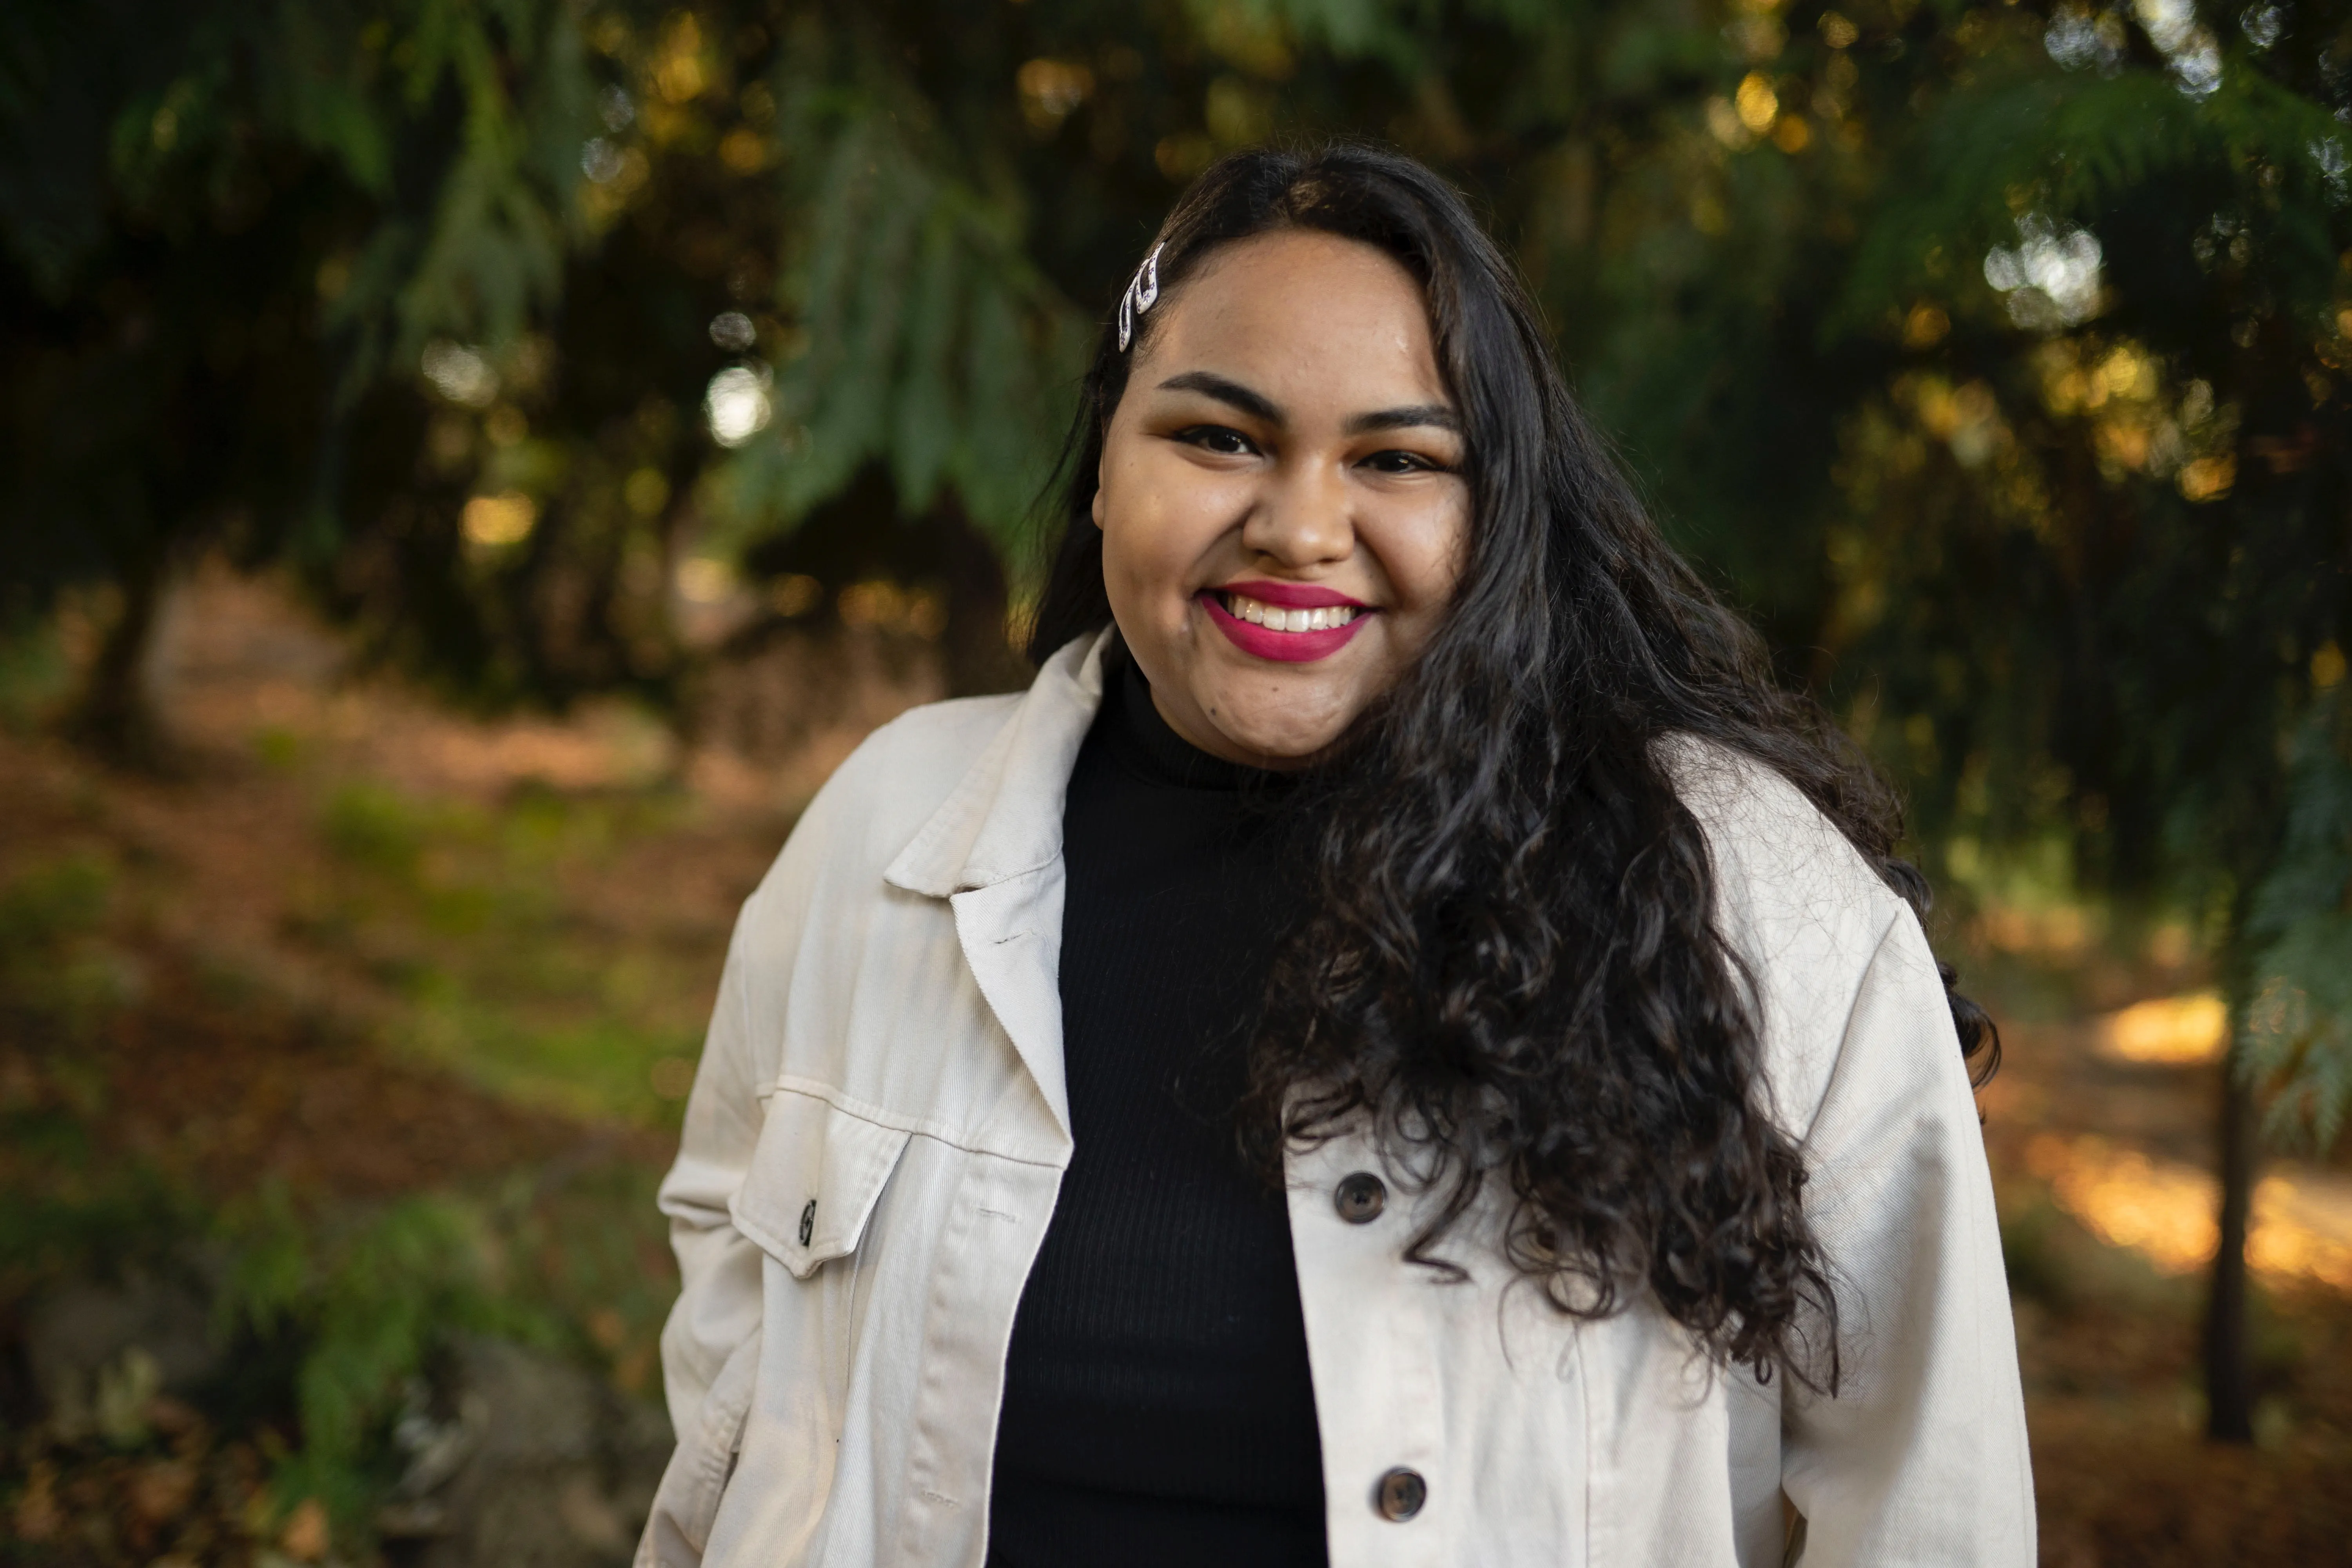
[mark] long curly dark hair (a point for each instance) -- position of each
(1510, 967)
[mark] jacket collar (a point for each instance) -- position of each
(993, 850)
(1004, 818)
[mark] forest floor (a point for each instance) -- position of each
(363, 973)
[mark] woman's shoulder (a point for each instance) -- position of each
(901, 775)
(1807, 913)
(929, 748)
(1775, 851)
(877, 799)
(918, 796)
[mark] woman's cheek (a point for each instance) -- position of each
(1177, 531)
(1151, 561)
(1423, 561)
(1135, 526)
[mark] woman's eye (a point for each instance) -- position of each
(1394, 462)
(1221, 439)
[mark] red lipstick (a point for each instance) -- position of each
(1284, 647)
(1291, 595)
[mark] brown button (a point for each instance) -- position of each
(1399, 1494)
(1360, 1198)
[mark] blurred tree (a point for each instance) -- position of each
(2092, 549)
(221, 224)
(1993, 355)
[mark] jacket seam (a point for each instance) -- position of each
(1846, 1024)
(914, 1126)
(971, 880)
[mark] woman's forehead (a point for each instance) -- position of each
(1310, 313)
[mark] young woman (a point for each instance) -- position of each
(1400, 1048)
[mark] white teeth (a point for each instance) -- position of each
(1275, 619)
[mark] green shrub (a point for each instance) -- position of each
(55, 966)
(46, 906)
(371, 828)
(369, 1301)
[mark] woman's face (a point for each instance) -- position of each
(1281, 498)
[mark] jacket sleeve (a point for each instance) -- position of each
(1920, 1457)
(710, 1343)
(718, 1269)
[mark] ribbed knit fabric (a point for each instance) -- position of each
(1158, 1406)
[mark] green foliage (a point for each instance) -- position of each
(370, 1301)
(114, 115)
(48, 1234)
(461, 912)
(370, 827)
(353, 1307)
(225, 230)
(33, 673)
(602, 1267)
(933, 341)
(47, 906)
(58, 972)
(332, 1319)
(2298, 1032)
(2076, 146)
(2112, 582)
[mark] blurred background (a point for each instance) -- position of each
(473, 467)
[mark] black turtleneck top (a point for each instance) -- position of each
(1157, 1408)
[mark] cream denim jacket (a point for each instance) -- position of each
(878, 1130)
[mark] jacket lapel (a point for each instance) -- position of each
(993, 850)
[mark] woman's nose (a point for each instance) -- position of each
(1304, 517)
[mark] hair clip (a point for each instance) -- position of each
(1142, 293)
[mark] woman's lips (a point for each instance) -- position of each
(1290, 596)
(1254, 618)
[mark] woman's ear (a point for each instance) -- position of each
(1097, 509)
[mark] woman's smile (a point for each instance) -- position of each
(1294, 623)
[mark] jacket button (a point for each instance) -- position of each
(1399, 1494)
(1360, 1198)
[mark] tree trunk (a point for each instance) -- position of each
(977, 657)
(2229, 1376)
(114, 715)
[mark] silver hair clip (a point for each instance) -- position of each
(1142, 293)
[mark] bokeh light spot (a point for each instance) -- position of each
(460, 373)
(737, 406)
(2171, 1031)
(495, 521)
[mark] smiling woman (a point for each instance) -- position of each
(1287, 449)
(1402, 1046)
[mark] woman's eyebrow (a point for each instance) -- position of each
(1432, 414)
(1258, 406)
(1210, 385)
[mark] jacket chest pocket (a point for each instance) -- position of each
(816, 1174)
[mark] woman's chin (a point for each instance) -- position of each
(1278, 738)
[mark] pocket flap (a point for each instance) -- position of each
(815, 1175)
